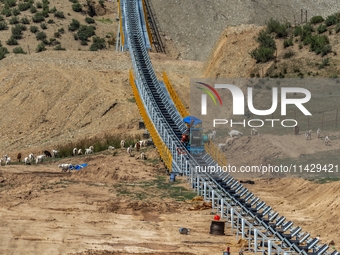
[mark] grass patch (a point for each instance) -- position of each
(132, 100)
(105, 21)
(100, 143)
(159, 187)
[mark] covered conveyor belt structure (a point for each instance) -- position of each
(246, 215)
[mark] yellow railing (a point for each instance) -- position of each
(147, 23)
(163, 150)
(215, 153)
(178, 103)
(120, 24)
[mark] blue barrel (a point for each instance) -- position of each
(172, 177)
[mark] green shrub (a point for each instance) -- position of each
(331, 20)
(74, 1)
(3, 52)
(53, 10)
(324, 63)
(24, 6)
(59, 14)
(58, 47)
(18, 50)
(320, 44)
(46, 42)
(24, 20)
(6, 11)
(98, 44)
(23, 27)
(288, 42)
(89, 20)
(33, 9)
(76, 7)
(45, 13)
(262, 54)
(2, 18)
(274, 26)
(61, 30)
(12, 41)
(57, 34)
(38, 17)
(43, 25)
(321, 29)
(14, 20)
(101, 2)
(17, 31)
(41, 36)
(316, 19)
(11, 3)
(41, 47)
(337, 28)
(289, 54)
(16, 11)
(34, 29)
(74, 25)
(54, 41)
(84, 32)
(39, 5)
(3, 25)
(265, 40)
(50, 21)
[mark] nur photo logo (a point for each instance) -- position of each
(204, 96)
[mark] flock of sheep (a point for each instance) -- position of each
(30, 158)
(234, 133)
(67, 167)
(308, 135)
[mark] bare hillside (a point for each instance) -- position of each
(194, 26)
(53, 98)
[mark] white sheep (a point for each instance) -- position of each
(122, 144)
(129, 150)
(88, 151)
(254, 132)
(233, 133)
(143, 143)
(40, 159)
(7, 160)
(142, 156)
(65, 167)
(80, 152)
(327, 140)
(308, 134)
(110, 148)
(318, 132)
(55, 153)
(74, 152)
(212, 135)
(27, 161)
(91, 148)
(31, 157)
(222, 146)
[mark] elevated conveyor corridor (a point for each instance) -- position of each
(248, 217)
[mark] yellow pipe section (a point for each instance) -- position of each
(177, 101)
(120, 24)
(163, 150)
(147, 23)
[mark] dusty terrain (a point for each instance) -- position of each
(115, 205)
(120, 205)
